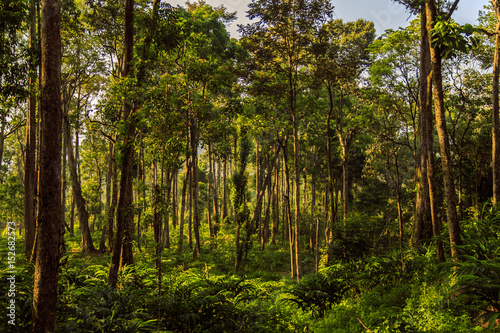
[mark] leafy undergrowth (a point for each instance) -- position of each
(399, 291)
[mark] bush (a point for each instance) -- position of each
(318, 292)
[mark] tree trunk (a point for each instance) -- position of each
(30, 160)
(429, 142)
(122, 245)
(183, 207)
(194, 190)
(72, 216)
(313, 206)
(275, 200)
(3, 124)
(449, 185)
(83, 216)
(209, 185)
(111, 209)
(175, 200)
(298, 265)
(332, 215)
(64, 178)
(422, 204)
(166, 230)
(155, 198)
(288, 213)
(109, 189)
(495, 111)
(49, 205)
(224, 191)
(216, 203)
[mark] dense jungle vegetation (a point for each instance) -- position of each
(157, 175)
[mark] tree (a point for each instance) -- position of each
(29, 165)
(495, 110)
(279, 41)
(49, 224)
(444, 143)
(244, 227)
(122, 246)
(341, 55)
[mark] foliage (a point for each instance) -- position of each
(450, 37)
(478, 274)
(318, 292)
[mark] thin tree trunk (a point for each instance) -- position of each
(183, 208)
(311, 220)
(288, 214)
(30, 160)
(209, 185)
(111, 209)
(216, 187)
(298, 264)
(156, 196)
(194, 190)
(316, 248)
(175, 179)
(72, 216)
(166, 230)
(138, 193)
(398, 197)
(109, 177)
(45, 291)
(495, 110)
(83, 216)
(64, 180)
(275, 201)
(224, 191)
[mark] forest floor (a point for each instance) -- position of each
(398, 291)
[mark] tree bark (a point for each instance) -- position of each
(422, 204)
(30, 160)
(313, 207)
(495, 111)
(209, 197)
(288, 213)
(122, 244)
(194, 189)
(298, 264)
(155, 198)
(183, 208)
(449, 185)
(224, 191)
(332, 213)
(111, 209)
(83, 216)
(166, 230)
(49, 205)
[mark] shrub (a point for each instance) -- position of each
(318, 292)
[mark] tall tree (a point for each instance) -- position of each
(29, 164)
(341, 55)
(280, 40)
(444, 143)
(122, 244)
(495, 110)
(49, 177)
(83, 215)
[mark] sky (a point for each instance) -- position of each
(386, 14)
